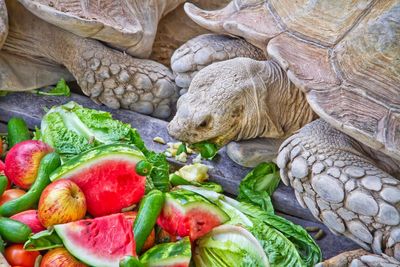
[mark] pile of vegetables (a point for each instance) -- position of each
(85, 191)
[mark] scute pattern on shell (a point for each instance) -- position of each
(336, 191)
(348, 65)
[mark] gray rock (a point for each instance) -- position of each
(318, 168)
(391, 194)
(359, 230)
(330, 219)
(299, 168)
(372, 183)
(355, 172)
(328, 188)
(362, 203)
(388, 214)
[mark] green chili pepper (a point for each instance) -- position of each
(48, 164)
(14, 231)
(143, 167)
(149, 209)
(17, 131)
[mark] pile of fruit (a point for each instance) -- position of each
(85, 191)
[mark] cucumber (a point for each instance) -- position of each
(130, 261)
(48, 164)
(14, 231)
(149, 209)
(17, 131)
(3, 184)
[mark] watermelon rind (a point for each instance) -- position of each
(185, 201)
(168, 254)
(91, 156)
(81, 252)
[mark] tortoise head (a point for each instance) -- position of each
(219, 100)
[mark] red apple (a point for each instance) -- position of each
(11, 194)
(22, 162)
(30, 218)
(61, 202)
(60, 257)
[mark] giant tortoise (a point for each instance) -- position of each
(339, 60)
(51, 39)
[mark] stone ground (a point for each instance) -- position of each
(225, 171)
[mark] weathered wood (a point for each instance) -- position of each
(226, 172)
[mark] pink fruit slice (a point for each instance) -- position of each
(107, 177)
(188, 214)
(101, 241)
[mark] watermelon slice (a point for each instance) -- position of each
(188, 214)
(176, 254)
(102, 241)
(107, 177)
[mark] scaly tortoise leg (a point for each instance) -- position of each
(205, 49)
(359, 258)
(342, 187)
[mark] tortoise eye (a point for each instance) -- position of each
(205, 122)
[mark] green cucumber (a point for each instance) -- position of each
(48, 164)
(149, 209)
(14, 231)
(130, 261)
(17, 131)
(3, 184)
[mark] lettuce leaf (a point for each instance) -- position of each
(72, 129)
(285, 243)
(259, 184)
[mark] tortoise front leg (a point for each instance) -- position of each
(359, 258)
(342, 187)
(206, 49)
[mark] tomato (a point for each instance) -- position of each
(131, 215)
(10, 195)
(17, 256)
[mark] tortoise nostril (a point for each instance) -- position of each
(205, 122)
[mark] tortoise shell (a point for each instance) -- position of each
(128, 25)
(3, 22)
(344, 54)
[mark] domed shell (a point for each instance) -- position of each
(3, 23)
(129, 25)
(344, 54)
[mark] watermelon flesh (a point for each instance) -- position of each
(188, 214)
(101, 241)
(107, 177)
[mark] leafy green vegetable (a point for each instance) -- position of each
(176, 180)
(43, 240)
(285, 243)
(61, 89)
(72, 129)
(206, 149)
(229, 245)
(258, 186)
(181, 149)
